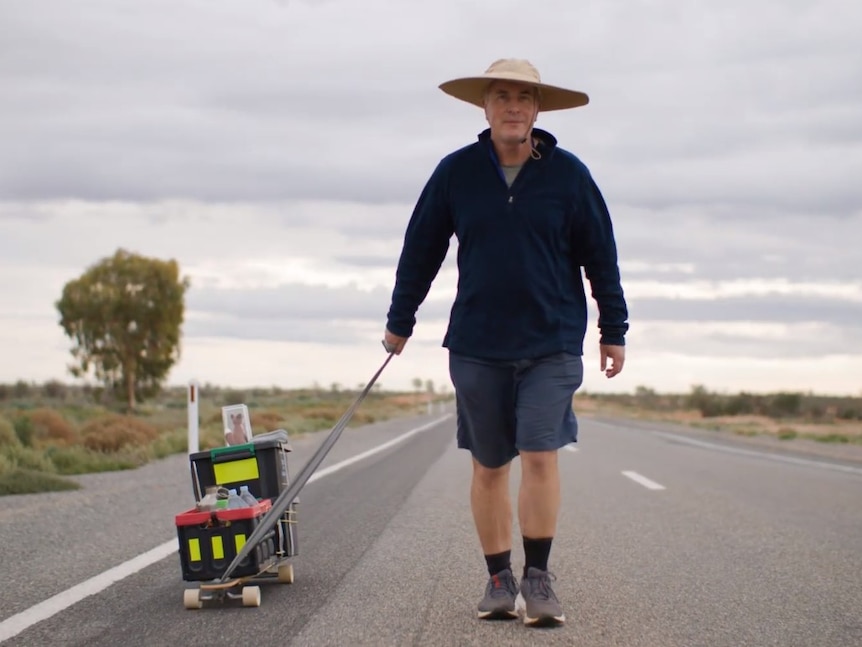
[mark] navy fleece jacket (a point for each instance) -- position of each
(520, 293)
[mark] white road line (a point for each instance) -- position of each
(572, 447)
(759, 454)
(14, 625)
(642, 480)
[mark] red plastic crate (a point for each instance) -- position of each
(209, 541)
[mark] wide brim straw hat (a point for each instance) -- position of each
(551, 97)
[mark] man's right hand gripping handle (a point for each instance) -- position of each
(393, 343)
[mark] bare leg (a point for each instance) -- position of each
(539, 494)
(492, 508)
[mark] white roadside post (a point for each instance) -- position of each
(193, 417)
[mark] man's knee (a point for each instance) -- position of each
(490, 476)
(539, 465)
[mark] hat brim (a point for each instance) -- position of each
(472, 90)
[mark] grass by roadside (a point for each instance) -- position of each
(48, 434)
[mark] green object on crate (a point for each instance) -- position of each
(237, 464)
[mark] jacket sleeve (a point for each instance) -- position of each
(426, 243)
(597, 253)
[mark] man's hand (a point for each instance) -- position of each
(393, 343)
(617, 355)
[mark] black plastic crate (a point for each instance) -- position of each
(210, 540)
(262, 466)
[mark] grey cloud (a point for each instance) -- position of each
(729, 344)
(764, 309)
(374, 262)
(261, 102)
(299, 301)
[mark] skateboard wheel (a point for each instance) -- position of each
(285, 573)
(251, 596)
(192, 599)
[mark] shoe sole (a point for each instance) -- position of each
(497, 615)
(545, 621)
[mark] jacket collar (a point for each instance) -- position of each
(547, 141)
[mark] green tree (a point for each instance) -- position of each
(124, 315)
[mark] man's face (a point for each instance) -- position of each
(511, 110)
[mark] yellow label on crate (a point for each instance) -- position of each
(236, 471)
(239, 541)
(218, 548)
(195, 550)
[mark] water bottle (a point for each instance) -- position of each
(247, 496)
(234, 500)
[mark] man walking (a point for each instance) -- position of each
(527, 216)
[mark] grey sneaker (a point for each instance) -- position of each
(542, 606)
(499, 600)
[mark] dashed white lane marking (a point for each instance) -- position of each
(642, 480)
(14, 625)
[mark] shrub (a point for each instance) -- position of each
(833, 438)
(28, 459)
(24, 430)
(7, 433)
(6, 465)
(47, 427)
(175, 442)
(787, 433)
(22, 481)
(80, 460)
(113, 432)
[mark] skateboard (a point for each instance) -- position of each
(236, 588)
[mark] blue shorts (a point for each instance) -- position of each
(505, 407)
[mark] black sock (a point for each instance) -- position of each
(536, 552)
(499, 562)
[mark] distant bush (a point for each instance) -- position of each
(709, 404)
(233, 397)
(849, 413)
(785, 405)
(324, 414)
(21, 389)
(741, 404)
(55, 390)
(265, 420)
(113, 432)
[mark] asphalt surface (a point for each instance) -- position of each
(740, 546)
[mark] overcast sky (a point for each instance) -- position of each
(275, 150)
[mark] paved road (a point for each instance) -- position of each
(664, 540)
